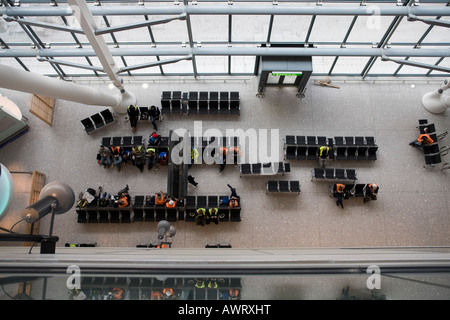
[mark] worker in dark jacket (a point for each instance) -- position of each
(133, 114)
(154, 114)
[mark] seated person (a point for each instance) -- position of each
(117, 157)
(151, 157)
(371, 191)
(423, 140)
(213, 216)
(124, 198)
(163, 158)
(126, 155)
(138, 157)
(87, 197)
(160, 198)
(104, 198)
(105, 156)
(154, 139)
(234, 202)
(171, 203)
(200, 217)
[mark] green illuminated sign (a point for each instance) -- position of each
(287, 74)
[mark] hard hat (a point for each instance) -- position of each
(171, 202)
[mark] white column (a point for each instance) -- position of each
(98, 43)
(24, 81)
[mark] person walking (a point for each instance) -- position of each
(133, 114)
(154, 114)
(192, 181)
(233, 192)
(338, 192)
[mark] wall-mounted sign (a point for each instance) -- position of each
(280, 73)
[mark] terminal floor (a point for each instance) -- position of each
(413, 206)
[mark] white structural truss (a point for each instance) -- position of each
(145, 37)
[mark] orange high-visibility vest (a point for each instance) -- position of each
(171, 206)
(168, 290)
(117, 293)
(124, 202)
(427, 137)
(340, 187)
(234, 293)
(160, 201)
(236, 151)
(156, 295)
(373, 187)
(234, 203)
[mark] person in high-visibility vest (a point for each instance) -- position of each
(423, 140)
(234, 293)
(138, 157)
(237, 154)
(371, 191)
(200, 217)
(116, 294)
(194, 157)
(324, 152)
(234, 202)
(117, 157)
(124, 198)
(156, 295)
(168, 293)
(160, 198)
(171, 203)
(213, 215)
(338, 192)
(151, 157)
(199, 284)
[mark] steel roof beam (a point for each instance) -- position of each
(233, 51)
(227, 10)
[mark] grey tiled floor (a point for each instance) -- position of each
(413, 207)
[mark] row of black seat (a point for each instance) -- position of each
(432, 153)
(203, 102)
(141, 210)
(157, 283)
(98, 120)
(333, 174)
(291, 186)
(127, 142)
(353, 190)
(225, 213)
(343, 148)
(152, 288)
(324, 141)
(223, 141)
(269, 168)
(93, 214)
